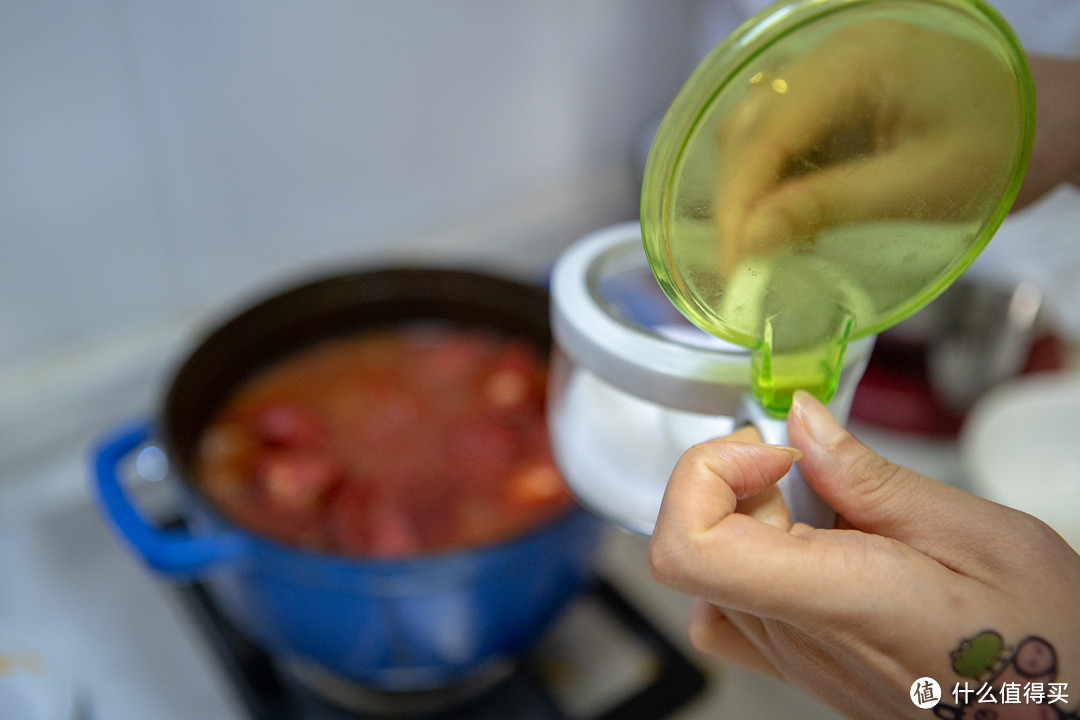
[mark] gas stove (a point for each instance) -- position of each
(602, 660)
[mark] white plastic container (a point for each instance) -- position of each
(634, 384)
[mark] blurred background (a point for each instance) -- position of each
(165, 161)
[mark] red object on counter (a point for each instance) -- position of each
(895, 391)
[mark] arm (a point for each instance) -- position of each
(1055, 158)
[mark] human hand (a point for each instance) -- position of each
(854, 615)
(881, 120)
(1055, 157)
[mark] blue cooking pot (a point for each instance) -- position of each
(398, 625)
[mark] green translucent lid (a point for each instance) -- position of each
(829, 169)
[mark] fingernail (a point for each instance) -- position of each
(795, 453)
(816, 419)
(752, 446)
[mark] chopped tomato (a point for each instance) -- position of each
(392, 531)
(512, 381)
(346, 517)
(536, 484)
(480, 449)
(506, 388)
(285, 425)
(295, 480)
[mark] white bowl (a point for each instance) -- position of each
(1021, 447)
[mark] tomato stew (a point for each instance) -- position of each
(388, 443)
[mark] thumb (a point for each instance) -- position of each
(869, 492)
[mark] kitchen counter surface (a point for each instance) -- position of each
(109, 629)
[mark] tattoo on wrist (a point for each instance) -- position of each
(1001, 682)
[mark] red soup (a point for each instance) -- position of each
(388, 444)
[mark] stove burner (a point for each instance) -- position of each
(416, 703)
(600, 661)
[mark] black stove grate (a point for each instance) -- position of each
(602, 660)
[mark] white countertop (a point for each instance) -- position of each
(92, 610)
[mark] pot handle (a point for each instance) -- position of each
(804, 505)
(175, 553)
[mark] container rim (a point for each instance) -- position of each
(637, 359)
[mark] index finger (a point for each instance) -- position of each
(702, 547)
(699, 537)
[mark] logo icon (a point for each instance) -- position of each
(925, 693)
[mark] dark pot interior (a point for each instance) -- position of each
(331, 306)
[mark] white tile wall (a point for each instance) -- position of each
(336, 127)
(82, 250)
(162, 158)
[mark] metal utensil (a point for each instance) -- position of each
(982, 335)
